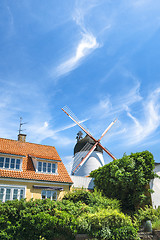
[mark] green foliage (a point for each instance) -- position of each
(48, 220)
(34, 220)
(107, 224)
(125, 233)
(144, 214)
(156, 224)
(126, 179)
(94, 199)
(78, 196)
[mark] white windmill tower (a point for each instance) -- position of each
(88, 152)
(94, 161)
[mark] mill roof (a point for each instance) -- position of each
(81, 143)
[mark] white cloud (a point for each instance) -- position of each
(39, 132)
(70, 126)
(141, 3)
(45, 124)
(17, 102)
(85, 46)
(144, 122)
(113, 107)
(149, 122)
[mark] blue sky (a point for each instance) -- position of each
(101, 58)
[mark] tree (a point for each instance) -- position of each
(127, 179)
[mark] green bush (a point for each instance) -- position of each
(156, 224)
(78, 196)
(144, 214)
(26, 220)
(46, 219)
(125, 233)
(106, 224)
(94, 199)
(127, 179)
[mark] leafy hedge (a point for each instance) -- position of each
(26, 220)
(147, 213)
(94, 199)
(107, 224)
(126, 179)
(45, 219)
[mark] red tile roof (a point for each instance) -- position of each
(27, 149)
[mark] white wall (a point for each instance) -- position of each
(82, 182)
(155, 185)
(93, 162)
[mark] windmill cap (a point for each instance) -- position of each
(79, 145)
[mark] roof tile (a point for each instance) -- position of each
(8, 146)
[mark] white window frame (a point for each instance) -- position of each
(12, 187)
(10, 157)
(46, 167)
(51, 195)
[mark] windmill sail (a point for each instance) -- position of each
(68, 111)
(83, 155)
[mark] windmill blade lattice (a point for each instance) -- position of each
(68, 110)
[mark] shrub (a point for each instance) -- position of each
(127, 179)
(156, 224)
(78, 196)
(125, 233)
(144, 214)
(46, 219)
(106, 224)
(147, 213)
(34, 219)
(94, 199)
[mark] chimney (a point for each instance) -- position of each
(22, 137)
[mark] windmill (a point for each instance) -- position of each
(91, 144)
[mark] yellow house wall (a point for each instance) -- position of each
(36, 193)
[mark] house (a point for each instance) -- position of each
(155, 186)
(29, 170)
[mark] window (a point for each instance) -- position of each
(39, 166)
(49, 194)
(53, 167)
(11, 193)
(15, 193)
(1, 162)
(46, 167)
(8, 194)
(10, 163)
(49, 167)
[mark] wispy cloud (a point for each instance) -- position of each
(149, 122)
(85, 46)
(109, 106)
(17, 102)
(70, 126)
(42, 131)
(140, 126)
